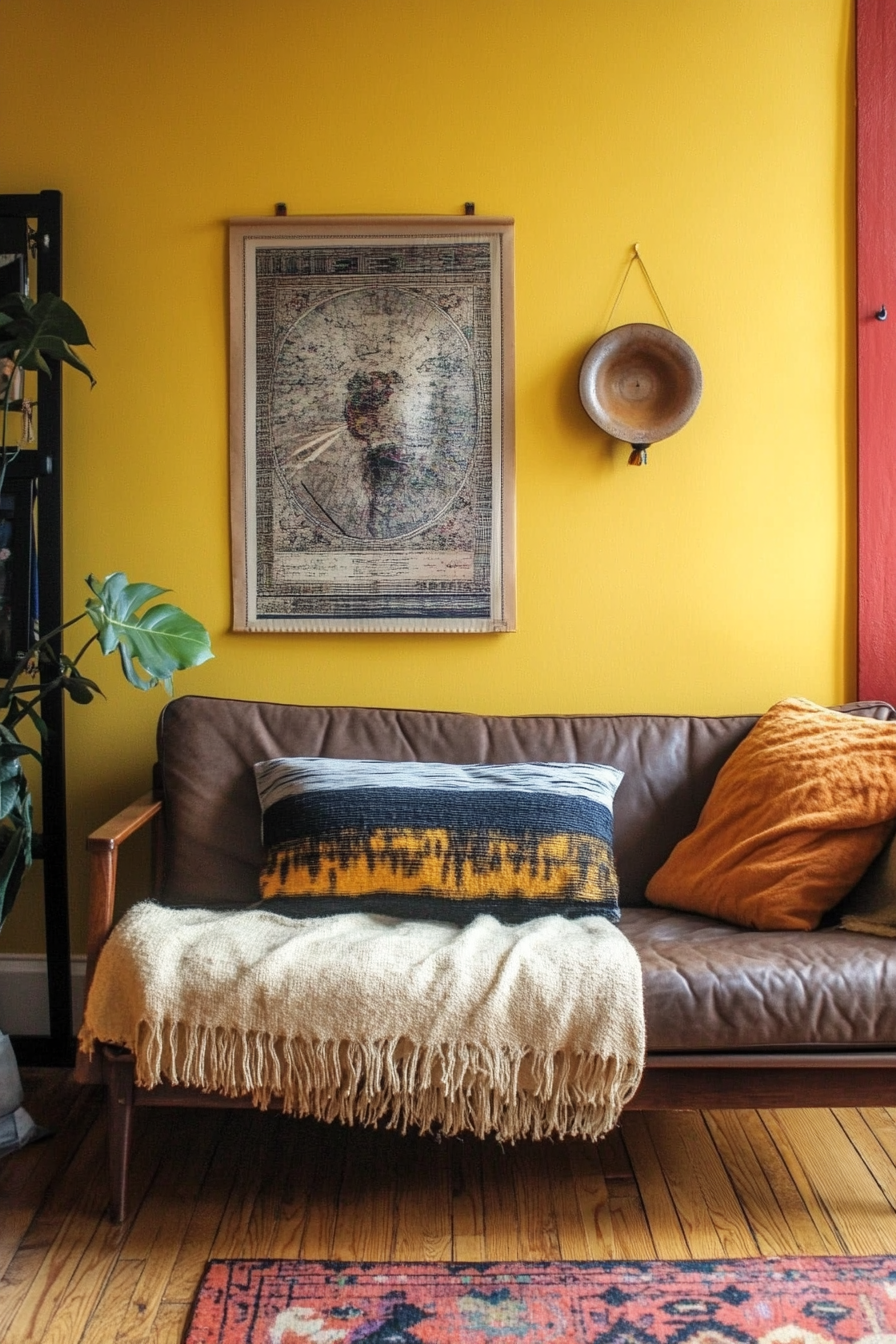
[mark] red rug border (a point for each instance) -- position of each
(697, 1266)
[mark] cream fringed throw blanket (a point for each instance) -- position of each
(521, 1031)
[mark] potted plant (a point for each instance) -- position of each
(153, 641)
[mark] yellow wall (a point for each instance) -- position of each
(716, 133)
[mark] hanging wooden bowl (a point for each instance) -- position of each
(640, 383)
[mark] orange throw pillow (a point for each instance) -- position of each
(796, 815)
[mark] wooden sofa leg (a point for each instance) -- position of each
(118, 1075)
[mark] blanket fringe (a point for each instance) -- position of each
(452, 1088)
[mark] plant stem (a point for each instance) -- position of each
(38, 645)
(93, 638)
(6, 398)
(18, 707)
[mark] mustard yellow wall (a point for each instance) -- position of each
(716, 133)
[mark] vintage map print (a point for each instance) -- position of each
(372, 424)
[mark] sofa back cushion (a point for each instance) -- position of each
(208, 748)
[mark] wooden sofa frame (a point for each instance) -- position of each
(671, 1081)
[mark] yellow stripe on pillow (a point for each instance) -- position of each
(413, 861)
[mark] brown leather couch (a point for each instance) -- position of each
(735, 1017)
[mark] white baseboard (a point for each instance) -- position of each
(23, 994)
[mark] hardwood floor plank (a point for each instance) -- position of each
(576, 1236)
(501, 1220)
(161, 1225)
(592, 1196)
(882, 1123)
(39, 1083)
(365, 1212)
(188, 1142)
(789, 1152)
(263, 1207)
(74, 1224)
(276, 1185)
(170, 1323)
(629, 1230)
(423, 1200)
(283, 1214)
(26, 1176)
(841, 1182)
(632, 1237)
(658, 1204)
(467, 1199)
(710, 1213)
(770, 1227)
(207, 1212)
(869, 1148)
(529, 1169)
(873, 1135)
(323, 1193)
(110, 1307)
(32, 1264)
(54, 1099)
(667, 1136)
(250, 1133)
(810, 1236)
(87, 1286)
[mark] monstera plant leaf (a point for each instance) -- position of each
(29, 331)
(15, 844)
(163, 640)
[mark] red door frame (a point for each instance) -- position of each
(876, 345)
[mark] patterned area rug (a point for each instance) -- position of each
(811, 1300)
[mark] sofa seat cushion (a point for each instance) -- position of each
(714, 986)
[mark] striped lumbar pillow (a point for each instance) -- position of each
(422, 840)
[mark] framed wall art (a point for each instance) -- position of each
(372, 435)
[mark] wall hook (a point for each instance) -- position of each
(881, 314)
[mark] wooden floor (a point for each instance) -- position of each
(678, 1185)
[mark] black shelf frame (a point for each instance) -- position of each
(45, 466)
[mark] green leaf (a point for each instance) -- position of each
(10, 758)
(38, 723)
(33, 359)
(48, 327)
(11, 749)
(16, 305)
(57, 348)
(12, 793)
(10, 796)
(55, 317)
(115, 591)
(80, 689)
(15, 855)
(164, 640)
